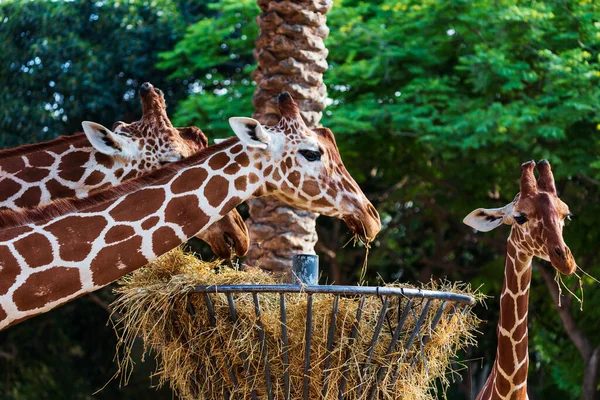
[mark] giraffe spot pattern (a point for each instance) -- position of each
(57, 190)
(104, 160)
(164, 239)
(150, 223)
(12, 165)
(35, 249)
(94, 178)
(118, 233)
(75, 235)
(230, 205)
(31, 196)
(191, 180)
(71, 166)
(47, 286)
(32, 174)
(232, 169)
(11, 233)
(218, 161)
(184, 211)
(8, 188)
(9, 269)
(112, 262)
(216, 190)
(240, 183)
(252, 178)
(242, 159)
(41, 159)
(138, 204)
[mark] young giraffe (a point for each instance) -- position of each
(38, 174)
(537, 217)
(55, 253)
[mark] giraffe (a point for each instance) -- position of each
(85, 163)
(55, 253)
(537, 217)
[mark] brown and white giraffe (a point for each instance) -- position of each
(55, 253)
(537, 217)
(82, 164)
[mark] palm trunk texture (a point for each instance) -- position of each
(291, 57)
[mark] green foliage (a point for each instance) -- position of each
(215, 56)
(64, 62)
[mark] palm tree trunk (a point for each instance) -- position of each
(291, 57)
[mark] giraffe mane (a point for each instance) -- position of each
(45, 213)
(30, 148)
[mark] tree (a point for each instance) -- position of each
(291, 57)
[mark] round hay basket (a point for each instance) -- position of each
(221, 333)
(394, 358)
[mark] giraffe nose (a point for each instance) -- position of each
(373, 211)
(560, 253)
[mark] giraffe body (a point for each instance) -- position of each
(83, 164)
(58, 252)
(537, 218)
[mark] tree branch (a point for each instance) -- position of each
(576, 335)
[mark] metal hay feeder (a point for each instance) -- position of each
(306, 266)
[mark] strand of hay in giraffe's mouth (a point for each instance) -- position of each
(192, 354)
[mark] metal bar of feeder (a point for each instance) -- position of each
(427, 338)
(349, 350)
(234, 318)
(392, 346)
(308, 340)
(330, 342)
(342, 290)
(213, 321)
(376, 334)
(261, 335)
(415, 332)
(285, 346)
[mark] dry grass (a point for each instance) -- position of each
(197, 358)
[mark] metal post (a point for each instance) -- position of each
(305, 269)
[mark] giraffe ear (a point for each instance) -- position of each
(103, 139)
(486, 219)
(250, 132)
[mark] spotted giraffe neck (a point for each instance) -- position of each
(81, 245)
(508, 377)
(69, 167)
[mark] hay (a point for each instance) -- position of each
(197, 358)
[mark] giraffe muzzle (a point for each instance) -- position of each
(562, 259)
(366, 224)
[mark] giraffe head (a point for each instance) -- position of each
(150, 142)
(303, 168)
(537, 217)
(153, 142)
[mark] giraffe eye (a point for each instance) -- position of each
(311, 155)
(569, 217)
(520, 219)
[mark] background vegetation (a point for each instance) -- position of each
(434, 103)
